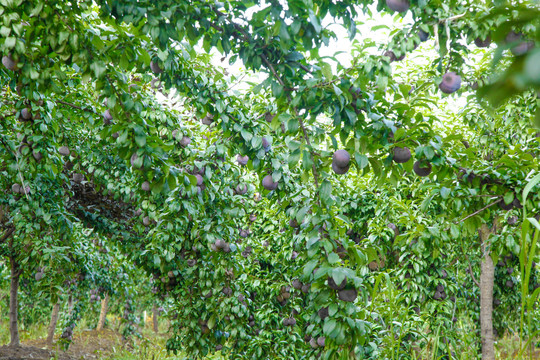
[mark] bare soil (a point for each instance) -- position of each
(86, 345)
(28, 352)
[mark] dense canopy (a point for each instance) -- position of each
(295, 203)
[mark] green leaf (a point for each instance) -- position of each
(508, 197)
(329, 326)
(338, 275)
(314, 20)
(333, 258)
(325, 190)
(326, 69)
(445, 192)
(140, 140)
(361, 160)
(535, 180)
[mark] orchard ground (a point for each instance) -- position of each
(107, 344)
(91, 344)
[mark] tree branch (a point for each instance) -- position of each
(479, 211)
(76, 107)
(8, 233)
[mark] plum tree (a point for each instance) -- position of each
(303, 106)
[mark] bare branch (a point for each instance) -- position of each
(479, 211)
(76, 107)
(471, 272)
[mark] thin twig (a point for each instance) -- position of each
(452, 18)
(76, 107)
(7, 234)
(479, 211)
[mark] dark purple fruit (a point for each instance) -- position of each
(422, 170)
(390, 54)
(154, 66)
(191, 262)
(200, 179)
(521, 46)
(16, 188)
(305, 288)
(338, 170)
(483, 43)
(37, 155)
(266, 145)
(321, 341)
(424, 36)
(145, 186)
(146, 221)
(398, 5)
(348, 295)
(341, 158)
(332, 284)
(451, 82)
(297, 284)
(241, 190)
(402, 154)
(107, 117)
(313, 343)
(64, 151)
(505, 206)
(9, 63)
(509, 283)
(185, 141)
(444, 274)
(208, 119)
(268, 183)
(26, 114)
(437, 295)
(293, 223)
(323, 313)
(220, 244)
(242, 160)
(269, 117)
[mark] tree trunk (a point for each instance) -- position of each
(155, 318)
(54, 321)
(13, 303)
(487, 276)
(103, 314)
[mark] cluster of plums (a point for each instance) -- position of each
(344, 292)
(221, 245)
(341, 161)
